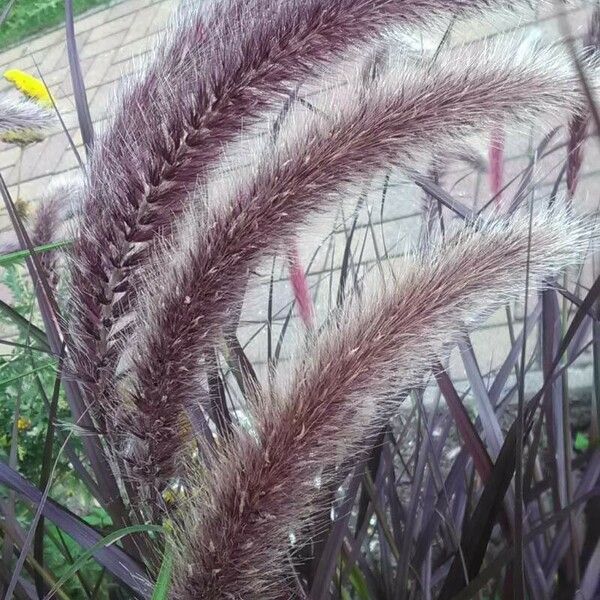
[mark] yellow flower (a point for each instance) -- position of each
(172, 496)
(169, 496)
(29, 85)
(23, 424)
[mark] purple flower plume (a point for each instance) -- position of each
(48, 223)
(197, 286)
(262, 485)
(214, 73)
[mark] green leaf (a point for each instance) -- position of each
(582, 441)
(30, 372)
(111, 538)
(359, 584)
(163, 583)
(20, 255)
(23, 324)
(98, 518)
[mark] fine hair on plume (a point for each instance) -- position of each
(20, 115)
(51, 220)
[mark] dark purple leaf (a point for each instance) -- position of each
(112, 557)
(81, 103)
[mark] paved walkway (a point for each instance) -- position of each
(108, 39)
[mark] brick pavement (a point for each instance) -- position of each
(107, 40)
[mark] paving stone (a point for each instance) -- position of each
(45, 41)
(91, 21)
(104, 45)
(32, 190)
(5, 86)
(48, 59)
(68, 160)
(97, 71)
(24, 63)
(140, 24)
(124, 8)
(10, 56)
(55, 148)
(134, 49)
(68, 114)
(9, 153)
(33, 163)
(76, 137)
(63, 59)
(14, 174)
(161, 16)
(100, 100)
(111, 27)
(59, 83)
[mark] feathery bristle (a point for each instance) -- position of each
(50, 216)
(496, 161)
(262, 485)
(394, 122)
(18, 115)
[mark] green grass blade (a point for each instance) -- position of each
(31, 372)
(20, 255)
(163, 583)
(111, 538)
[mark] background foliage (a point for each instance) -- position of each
(28, 17)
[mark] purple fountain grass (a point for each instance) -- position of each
(23, 115)
(496, 161)
(215, 72)
(196, 287)
(262, 485)
(47, 222)
(577, 133)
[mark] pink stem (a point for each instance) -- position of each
(496, 156)
(299, 283)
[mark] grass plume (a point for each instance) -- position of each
(19, 116)
(50, 218)
(578, 127)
